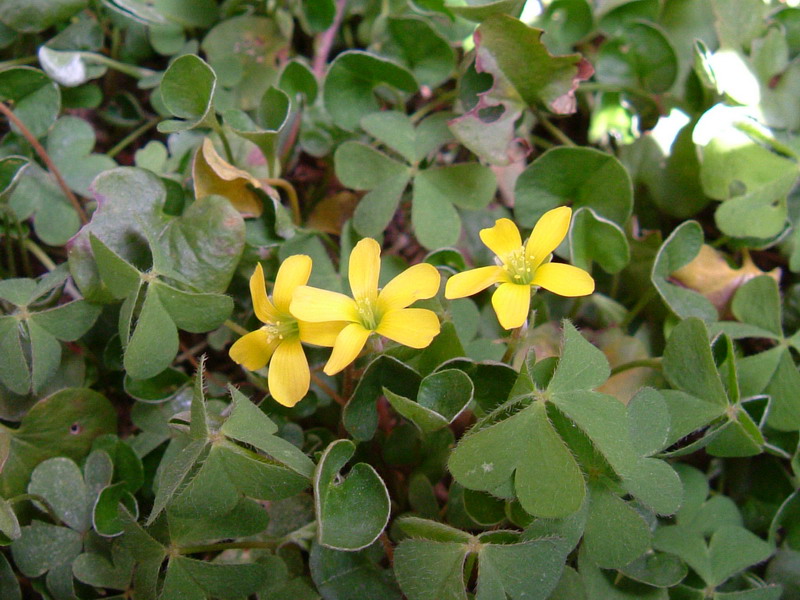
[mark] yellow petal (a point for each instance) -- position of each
(252, 350)
(348, 345)
(415, 283)
(293, 272)
(512, 304)
(289, 376)
(502, 238)
(258, 291)
(564, 280)
(364, 269)
(548, 233)
(320, 334)
(472, 281)
(316, 306)
(414, 327)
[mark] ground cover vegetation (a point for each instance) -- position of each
(424, 299)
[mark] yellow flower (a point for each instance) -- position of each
(371, 310)
(523, 268)
(278, 342)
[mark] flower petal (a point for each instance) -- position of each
(289, 376)
(512, 304)
(348, 345)
(415, 283)
(502, 238)
(564, 280)
(548, 233)
(364, 269)
(253, 350)
(316, 306)
(293, 272)
(471, 282)
(414, 327)
(320, 334)
(263, 308)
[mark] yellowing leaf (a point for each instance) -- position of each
(331, 213)
(711, 275)
(213, 175)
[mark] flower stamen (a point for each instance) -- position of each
(518, 267)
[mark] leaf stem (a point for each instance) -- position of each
(18, 62)
(40, 255)
(226, 145)
(327, 389)
(252, 545)
(235, 328)
(132, 70)
(555, 131)
(325, 41)
(643, 301)
(652, 363)
(291, 193)
(132, 136)
(47, 160)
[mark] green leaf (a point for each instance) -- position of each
(264, 132)
(37, 15)
(64, 424)
(36, 99)
(70, 143)
(582, 366)
(187, 578)
(45, 355)
(352, 513)
(9, 525)
(43, 546)
(607, 586)
(172, 474)
(121, 277)
(657, 569)
(442, 397)
(390, 127)
(641, 58)
(200, 248)
(425, 51)
(528, 570)
(360, 415)
(548, 481)
(481, 11)
(340, 575)
(54, 219)
(352, 76)
(435, 220)
(60, 482)
(107, 517)
(68, 322)
(758, 302)
(97, 570)
(689, 365)
(432, 530)
(466, 185)
(361, 167)
(615, 533)
(595, 239)
(154, 342)
(578, 176)
(193, 312)
(248, 424)
(9, 585)
(678, 250)
(11, 169)
(187, 90)
(14, 372)
(429, 570)
(245, 519)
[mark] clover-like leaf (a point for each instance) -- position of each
(187, 89)
(351, 79)
(214, 176)
(36, 98)
(577, 176)
(32, 17)
(593, 238)
(441, 398)
(353, 511)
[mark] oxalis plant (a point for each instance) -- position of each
(425, 300)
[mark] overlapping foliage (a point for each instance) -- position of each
(177, 176)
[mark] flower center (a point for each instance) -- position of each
(367, 313)
(518, 267)
(281, 330)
